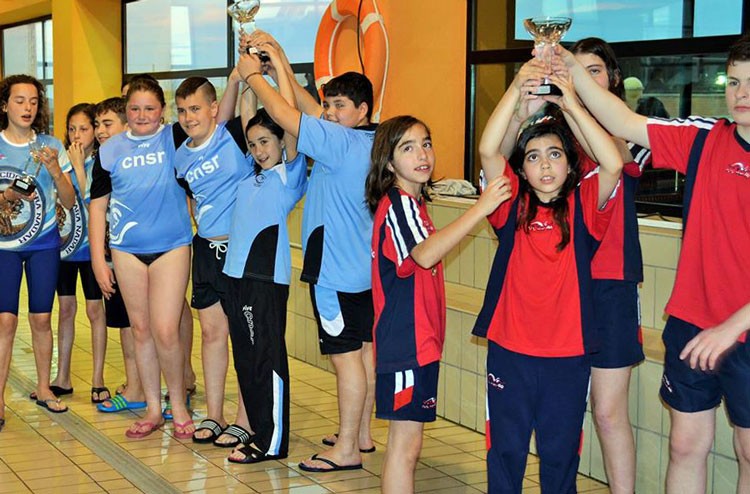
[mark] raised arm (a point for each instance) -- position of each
(248, 106)
(528, 105)
(305, 101)
(435, 247)
(607, 108)
(603, 147)
(286, 92)
(491, 151)
(228, 103)
(284, 114)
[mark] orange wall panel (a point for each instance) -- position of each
(426, 75)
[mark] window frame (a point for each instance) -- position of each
(45, 50)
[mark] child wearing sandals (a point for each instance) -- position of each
(29, 238)
(150, 238)
(110, 120)
(75, 259)
(210, 164)
(258, 266)
(408, 289)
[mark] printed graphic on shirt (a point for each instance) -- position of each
(72, 226)
(20, 221)
(116, 231)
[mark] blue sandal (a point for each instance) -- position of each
(118, 403)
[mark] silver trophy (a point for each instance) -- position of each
(547, 32)
(26, 183)
(244, 12)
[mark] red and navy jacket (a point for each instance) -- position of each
(409, 300)
(619, 255)
(538, 301)
(714, 266)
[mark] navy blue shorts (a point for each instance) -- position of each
(408, 395)
(67, 280)
(41, 268)
(543, 394)
(209, 282)
(344, 319)
(617, 311)
(693, 390)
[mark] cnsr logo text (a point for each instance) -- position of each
(144, 160)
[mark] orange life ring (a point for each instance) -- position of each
(376, 49)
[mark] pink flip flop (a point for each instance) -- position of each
(180, 432)
(150, 427)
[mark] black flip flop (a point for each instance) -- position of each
(2, 424)
(361, 450)
(234, 430)
(58, 391)
(335, 467)
(99, 392)
(211, 425)
(253, 455)
(45, 404)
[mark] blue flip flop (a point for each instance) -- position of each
(120, 403)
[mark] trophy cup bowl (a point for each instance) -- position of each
(244, 12)
(547, 32)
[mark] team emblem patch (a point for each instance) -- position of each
(429, 403)
(739, 169)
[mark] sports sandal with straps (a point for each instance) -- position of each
(210, 425)
(234, 430)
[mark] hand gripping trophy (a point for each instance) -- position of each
(547, 32)
(244, 12)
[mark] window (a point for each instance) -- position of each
(175, 35)
(176, 39)
(675, 48)
(294, 23)
(27, 49)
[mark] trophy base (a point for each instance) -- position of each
(23, 187)
(263, 56)
(548, 90)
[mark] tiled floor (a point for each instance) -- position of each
(85, 451)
